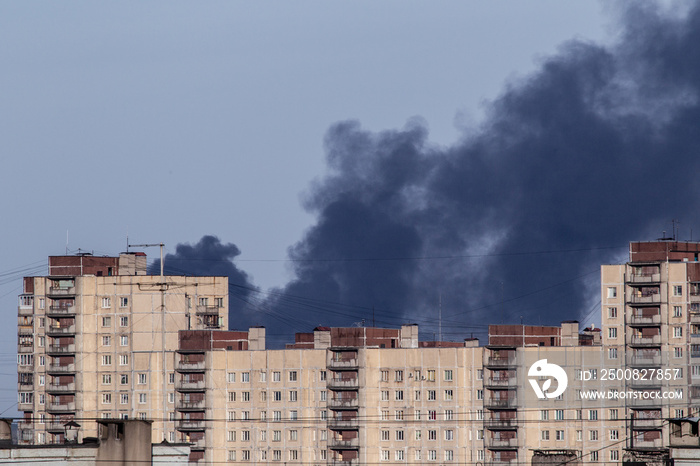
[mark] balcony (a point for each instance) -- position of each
(60, 349)
(25, 348)
(500, 361)
(339, 444)
(199, 444)
(654, 340)
(184, 366)
(343, 384)
(207, 310)
(497, 403)
(651, 444)
(59, 369)
(55, 330)
(647, 402)
(340, 424)
(190, 405)
(510, 382)
(56, 427)
(635, 298)
(695, 318)
(25, 406)
(645, 278)
(195, 386)
(25, 310)
(342, 364)
(353, 462)
(638, 319)
(645, 383)
(343, 403)
(191, 425)
(56, 291)
(60, 407)
(649, 423)
(25, 386)
(25, 330)
(60, 311)
(61, 388)
(644, 361)
(508, 443)
(500, 423)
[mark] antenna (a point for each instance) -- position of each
(150, 246)
(440, 316)
(66, 241)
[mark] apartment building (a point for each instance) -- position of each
(651, 320)
(97, 339)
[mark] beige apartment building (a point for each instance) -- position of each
(356, 396)
(97, 339)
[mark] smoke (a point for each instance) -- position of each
(210, 257)
(597, 148)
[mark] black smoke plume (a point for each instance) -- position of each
(599, 147)
(210, 257)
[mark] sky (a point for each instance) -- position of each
(348, 162)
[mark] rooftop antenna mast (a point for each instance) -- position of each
(150, 246)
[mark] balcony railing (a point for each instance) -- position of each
(334, 462)
(645, 298)
(645, 278)
(639, 319)
(190, 405)
(56, 330)
(647, 401)
(25, 310)
(334, 423)
(500, 402)
(644, 360)
(695, 318)
(501, 361)
(61, 388)
(60, 407)
(655, 444)
(60, 369)
(500, 423)
(60, 349)
(25, 330)
(335, 364)
(56, 291)
(343, 403)
(645, 341)
(185, 386)
(191, 425)
(339, 444)
(651, 422)
(184, 366)
(60, 311)
(337, 384)
(494, 442)
(25, 406)
(25, 348)
(501, 382)
(208, 310)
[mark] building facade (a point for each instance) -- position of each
(97, 339)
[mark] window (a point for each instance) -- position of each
(677, 290)
(276, 435)
(399, 435)
(171, 398)
(544, 415)
(245, 377)
(385, 376)
(594, 374)
(398, 415)
(432, 435)
(479, 414)
(678, 413)
(677, 332)
(612, 353)
(106, 398)
(593, 435)
(385, 435)
(263, 436)
(431, 376)
(449, 455)
(106, 359)
(385, 455)
(322, 376)
(142, 398)
(612, 332)
(42, 322)
(106, 379)
(123, 301)
(449, 395)
(231, 436)
(219, 302)
(612, 312)
(124, 398)
(245, 436)
(107, 321)
(124, 379)
(293, 455)
(449, 415)
(106, 340)
(277, 416)
(479, 394)
(123, 359)
(231, 377)
(559, 414)
(292, 376)
(431, 395)
(263, 376)
(418, 435)
(432, 455)
(245, 455)
(231, 396)
(614, 455)
(448, 375)
(416, 395)
(385, 415)
(559, 435)
(124, 321)
(398, 455)
(449, 434)
(26, 397)
(171, 378)
(42, 341)
(592, 414)
(106, 302)
(245, 396)
(480, 375)
(677, 311)
(277, 395)
(124, 340)
(398, 376)
(293, 416)
(612, 414)
(398, 395)
(203, 301)
(432, 415)
(614, 435)
(276, 376)
(416, 415)
(677, 352)
(612, 292)
(544, 435)
(324, 395)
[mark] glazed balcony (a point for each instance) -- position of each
(498, 403)
(506, 382)
(506, 443)
(341, 364)
(501, 361)
(495, 423)
(207, 310)
(644, 361)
